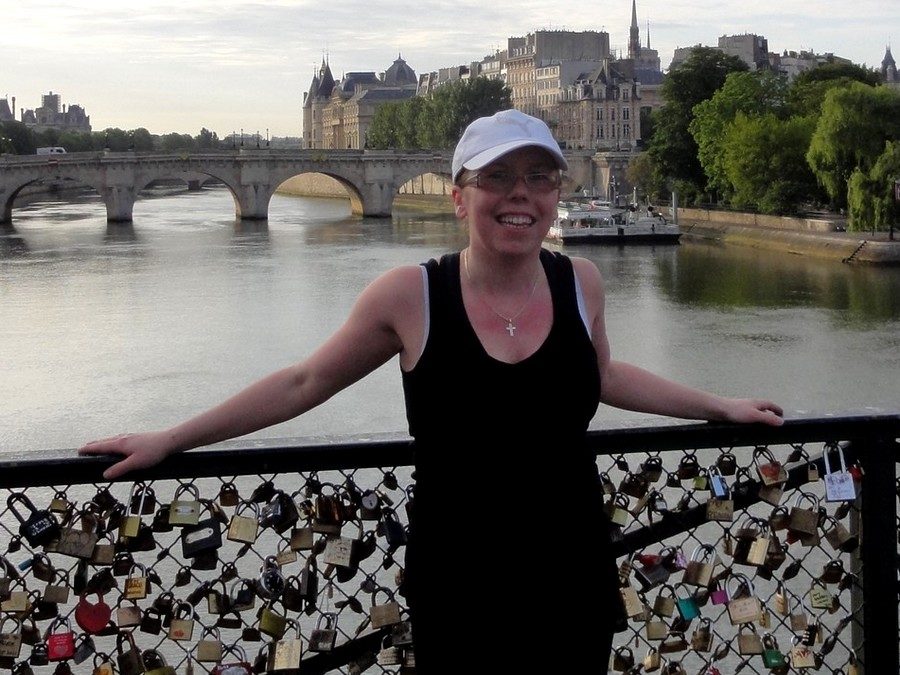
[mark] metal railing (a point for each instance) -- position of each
(218, 527)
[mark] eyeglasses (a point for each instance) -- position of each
(502, 182)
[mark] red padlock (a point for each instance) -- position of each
(92, 617)
(60, 646)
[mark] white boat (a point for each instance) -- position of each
(598, 222)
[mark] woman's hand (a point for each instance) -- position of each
(140, 451)
(752, 410)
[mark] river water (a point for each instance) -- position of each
(110, 328)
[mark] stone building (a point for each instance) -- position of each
(7, 113)
(53, 115)
(889, 74)
(601, 110)
(751, 49)
(337, 115)
(526, 55)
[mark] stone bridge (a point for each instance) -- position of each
(372, 178)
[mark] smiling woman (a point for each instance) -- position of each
(482, 349)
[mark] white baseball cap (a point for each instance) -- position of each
(488, 138)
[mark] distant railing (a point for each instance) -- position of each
(266, 554)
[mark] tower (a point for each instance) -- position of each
(634, 34)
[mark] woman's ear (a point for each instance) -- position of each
(459, 207)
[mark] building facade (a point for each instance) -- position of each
(52, 114)
(337, 115)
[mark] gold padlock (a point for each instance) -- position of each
(285, 653)
(181, 627)
(185, 512)
(244, 528)
(270, 622)
(209, 649)
(137, 585)
(385, 614)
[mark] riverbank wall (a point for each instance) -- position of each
(815, 237)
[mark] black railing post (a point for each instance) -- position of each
(879, 556)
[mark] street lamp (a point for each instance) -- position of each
(257, 138)
(242, 137)
(267, 137)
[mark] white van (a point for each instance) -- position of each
(54, 150)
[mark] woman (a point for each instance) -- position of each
(487, 339)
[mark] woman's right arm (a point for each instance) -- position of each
(381, 325)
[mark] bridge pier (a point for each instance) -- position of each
(119, 200)
(5, 207)
(253, 201)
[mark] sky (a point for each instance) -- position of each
(228, 65)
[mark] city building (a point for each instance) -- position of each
(889, 73)
(749, 48)
(601, 109)
(7, 112)
(791, 63)
(52, 114)
(338, 114)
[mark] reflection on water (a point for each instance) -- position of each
(112, 327)
(736, 277)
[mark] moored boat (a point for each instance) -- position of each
(601, 223)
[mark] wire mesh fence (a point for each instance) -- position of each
(738, 551)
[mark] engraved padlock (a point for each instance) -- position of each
(38, 527)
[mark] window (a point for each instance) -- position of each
(625, 112)
(626, 131)
(624, 94)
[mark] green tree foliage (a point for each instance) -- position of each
(439, 120)
(757, 93)
(809, 88)
(764, 162)
(850, 134)
(870, 195)
(673, 148)
(142, 140)
(384, 130)
(18, 137)
(206, 140)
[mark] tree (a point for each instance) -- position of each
(142, 140)
(870, 196)
(808, 90)
(18, 137)
(673, 148)
(206, 140)
(383, 130)
(757, 93)
(850, 134)
(437, 121)
(764, 162)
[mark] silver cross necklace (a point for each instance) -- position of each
(510, 325)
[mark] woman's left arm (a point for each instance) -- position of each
(627, 386)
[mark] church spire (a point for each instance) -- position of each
(634, 37)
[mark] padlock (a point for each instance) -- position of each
(182, 511)
(240, 666)
(271, 622)
(655, 629)
(687, 606)
(633, 485)
(839, 485)
(804, 521)
(10, 640)
(102, 664)
(242, 595)
(652, 468)
(38, 527)
(151, 621)
(650, 571)
(721, 510)
(16, 601)
(394, 532)
(743, 606)
(57, 588)
(61, 644)
(39, 655)
(701, 639)
(726, 463)
(749, 641)
(832, 572)
(617, 509)
(131, 521)
(622, 658)
(228, 494)
(839, 537)
(673, 644)
(384, 614)
(128, 614)
(285, 653)
(155, 663)
(772, 656)
(631, 602)
(280, 513)
(819, 596)
(271, 580)
(137, 585)
(181, 627)
(389, 655)
(209, 647)
(688, 467)
(664, 604)
(651, 660)
(92, 617)
(770, 470)
(244, 528)
(204, 537)
(84, 648)
(718, 595)
(801, 655)
(700, 567)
